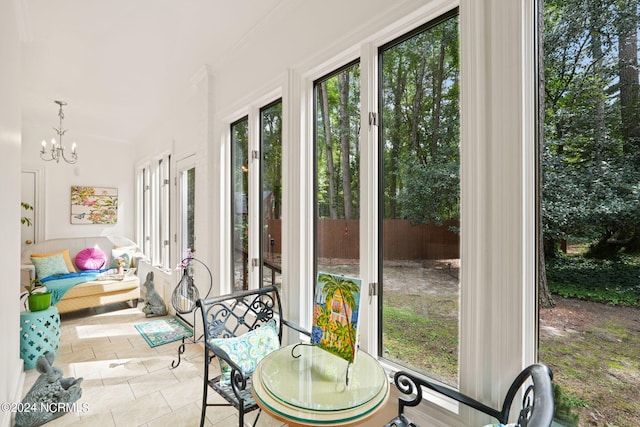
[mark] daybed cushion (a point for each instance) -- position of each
(50, 266)
(100, 287)
(91, 259)
(98, 293)
(65, 255)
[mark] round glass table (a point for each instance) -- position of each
(312, 389)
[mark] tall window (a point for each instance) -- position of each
(420, 200)
(164, 217)
(271, 193)
(589, 333)
(337, 176)
(153, 218)
(240, 202)
(186, 207)
(143, 209)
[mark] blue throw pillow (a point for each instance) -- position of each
(247, 350)
(49, 266)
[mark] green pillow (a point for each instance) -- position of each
(247, 350)
(49, 266)
(126, 260)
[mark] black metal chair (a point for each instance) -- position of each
(231, 316)
(537, 399)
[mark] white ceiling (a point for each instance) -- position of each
(119, 63)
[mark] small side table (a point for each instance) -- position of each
(39, 333)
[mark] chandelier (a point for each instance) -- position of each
(56, 152)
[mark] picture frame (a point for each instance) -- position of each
(94, 205)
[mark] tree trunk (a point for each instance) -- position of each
(544, 295)
(438, 80)
(417, 107)
(603, 249)
(628, 73)
(395, 139)
(629, 92)
(324, 106)
(599, 124)
(343, 84)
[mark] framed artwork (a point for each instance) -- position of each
(335, 315)
(94, 205)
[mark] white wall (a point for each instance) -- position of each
(185, 131)
(100, 164)
(10, 363)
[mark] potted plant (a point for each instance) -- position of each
(25, 220)
(37, 297)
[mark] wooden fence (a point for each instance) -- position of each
(402, 241)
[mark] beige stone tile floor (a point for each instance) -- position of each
(126, 383)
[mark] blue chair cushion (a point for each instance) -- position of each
(247, 350)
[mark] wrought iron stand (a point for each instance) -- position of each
(187, 340)
(185, 300)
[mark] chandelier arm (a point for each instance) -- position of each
(57, 149)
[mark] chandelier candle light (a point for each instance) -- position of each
(56, 151)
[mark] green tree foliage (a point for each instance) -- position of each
(591, 158)
(420, 116)
(271, 142)
(338, 145)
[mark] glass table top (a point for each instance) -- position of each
(316, 380)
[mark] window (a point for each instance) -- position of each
(186, 207)
(337, 166)
(591, 210)
(240, 203)
(153, 218)
(419, 200)
(143, 208)
(271, 193)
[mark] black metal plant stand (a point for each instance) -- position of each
(184, 301)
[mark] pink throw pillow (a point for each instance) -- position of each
(90, 259)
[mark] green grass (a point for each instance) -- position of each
(596, 368)
(428, 342)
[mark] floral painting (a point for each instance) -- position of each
(94, 205)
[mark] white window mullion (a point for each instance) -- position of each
(164, 216)
(369, 199)
(498, 246)
(254, 198)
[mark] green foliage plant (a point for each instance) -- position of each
(25, 220)
(615, 282)
(565, 407)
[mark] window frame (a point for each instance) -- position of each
(261, 180)
(153, 219)
(232, 205)
(182, 170)
(380, 174)
(314, 144)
